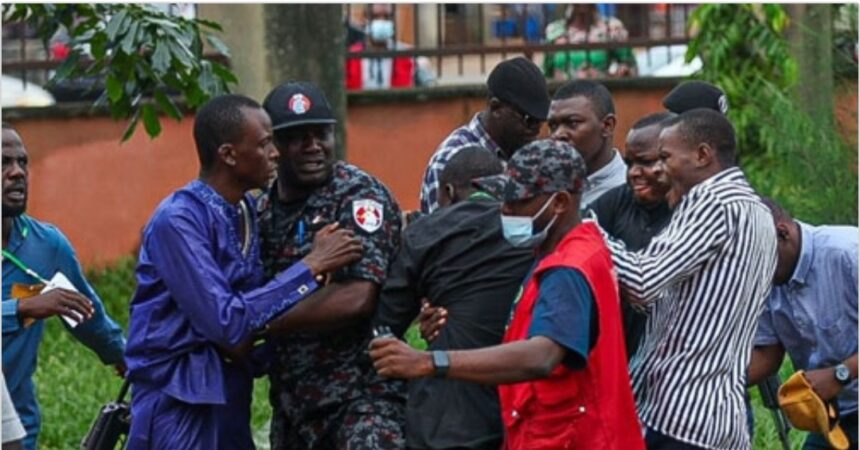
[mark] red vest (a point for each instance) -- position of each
(402, 70)
(591, 408)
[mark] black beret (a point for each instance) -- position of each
(520, 83)
(696, 94)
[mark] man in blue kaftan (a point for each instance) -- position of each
(201, 297)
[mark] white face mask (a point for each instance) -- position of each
(381, 30)
(519, 230)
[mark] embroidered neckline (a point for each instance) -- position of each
(231, 214)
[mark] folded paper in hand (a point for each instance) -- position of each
(73, 318)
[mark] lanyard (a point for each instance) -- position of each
(22, 266)
(480, 195)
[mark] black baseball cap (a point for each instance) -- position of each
(696, 94)
(520, 83)
(296, 103)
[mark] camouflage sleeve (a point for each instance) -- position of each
(372, 212)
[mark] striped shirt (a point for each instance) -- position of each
(471, 134)
(705, 278)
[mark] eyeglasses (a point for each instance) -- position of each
(527, 120)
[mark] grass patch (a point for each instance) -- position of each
(72, 383)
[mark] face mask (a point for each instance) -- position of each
(381, 30)
(519, 230)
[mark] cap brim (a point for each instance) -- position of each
(540, 114)
(298, 123)
(501, 186)
(532, 110)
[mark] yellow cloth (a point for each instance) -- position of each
(806, 411)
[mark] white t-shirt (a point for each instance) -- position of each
(12, 428)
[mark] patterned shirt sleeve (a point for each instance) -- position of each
(696, 233)
(370, 210)
(429, 187)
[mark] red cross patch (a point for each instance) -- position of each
(367, 214)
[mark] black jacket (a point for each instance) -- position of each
(458, 258)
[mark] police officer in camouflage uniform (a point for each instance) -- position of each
(325, 393)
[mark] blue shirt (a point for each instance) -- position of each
(200, 287)
(565, 313)
(44, 249)
(814, 314)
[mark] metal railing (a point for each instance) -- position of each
(460, 43)
(656, 32)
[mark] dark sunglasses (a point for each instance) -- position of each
(527, 120)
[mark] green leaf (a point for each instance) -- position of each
(224, 73)
(98, 45)
(219, 45)
(129, 42)
(207, 79)
(167, 105)
(181, 53)
(67, 67)
(19, 12)
(195, 96)
(196, 46)
(209, 24)
(137, 50)
(121, 109)
(161, 22)
(177, 35)
(114, 88)
(150, 121)
(115, 25)
(161, 58)
(132, 125)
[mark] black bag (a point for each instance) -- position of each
(113, 422)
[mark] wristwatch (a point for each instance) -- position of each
(843, 375)
(441, 363)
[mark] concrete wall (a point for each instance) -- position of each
(101, 193)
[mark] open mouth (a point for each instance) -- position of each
(311, 166)
(15, 193)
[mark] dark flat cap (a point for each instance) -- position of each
(520, 82)
(696, 94)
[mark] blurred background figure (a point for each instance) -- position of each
(583, 24)
(384, 73)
